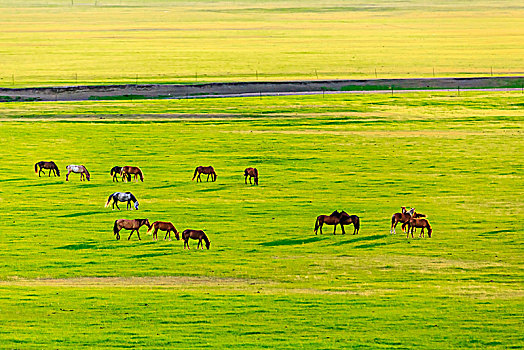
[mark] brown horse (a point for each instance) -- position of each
(133, 225)
(127, 171)
(346, 219)
(47, 165)
(400, 217)
(205, 170)
(421, 223)
(252, 173)
(164, 226)
(414, 216)
(195, 234)
(334, 218)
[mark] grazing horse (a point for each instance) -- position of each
(346, 219)
(115, 171)
(122, 197)
(78, 169)
(252, 173)
(127, 171)
(414, 216)
(133, 225)
(205, 170)
(195, 234)
(47, 165)
(333, 219)
(421, 223)
(400, 217)
(163, 226)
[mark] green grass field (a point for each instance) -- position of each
(51, 42)
(267, 281)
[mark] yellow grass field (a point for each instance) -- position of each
(127, 41)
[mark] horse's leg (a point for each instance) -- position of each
(138, 233)
(421, 233)
(208, 177)
(167, 232)
(245, 179)
(394, 227)
(334, 229)
(130, 234)
(343, 231)
(116, 203)
(250, 180)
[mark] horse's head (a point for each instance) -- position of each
(430, 230)
(208, 243)
(146, 222)
(335, 213)
(343, 216)
(411, 211)
(177, 235)
(136, 205)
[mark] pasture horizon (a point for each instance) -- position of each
(54, 43)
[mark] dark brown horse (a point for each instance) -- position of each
(346, 219)
(336, 218)
(47, 165)
(400, 217)
(164, 226)
(127, 171)
(195, 234)
(420, 223)
(205, 170)
(133, 225)
(252, 173)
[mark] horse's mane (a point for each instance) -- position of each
(133, 198)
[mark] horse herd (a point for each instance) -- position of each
(409, 219)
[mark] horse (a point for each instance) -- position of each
(333, 219)
(195, 234)
(414, 216)
(115, 171)
(47, 165)
(205, 170)
(346, 219)
(78, 169)
(163, 226)
(400, 217)
(133, 225)
(122, 197)
(421, 223)
(126, 172)
(252, 173)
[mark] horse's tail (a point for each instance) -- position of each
(151, 227)
(356, 223)
(36, 167)
(195, 174)
(115, 227)
(316, 224)
(208, 243)
(109, 199)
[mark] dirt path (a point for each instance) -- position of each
(215, 90)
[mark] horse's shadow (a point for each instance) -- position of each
(289, 241)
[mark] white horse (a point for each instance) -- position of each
(122, 197)
(78, 169)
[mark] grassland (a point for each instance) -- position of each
(267, 280)
(50, 42)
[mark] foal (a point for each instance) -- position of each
(164, 226)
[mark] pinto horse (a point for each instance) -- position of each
(47, 165)
(205, 170)
(115, 171)
(336, 218)
(164, 226)
(400, 217)
(78, 169)
(421, 223)
(122, 197)
(195, 234)
(127, 171)
(252, 173)
(133, 225)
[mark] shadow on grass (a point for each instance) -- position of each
(81, 214)
(494, 232)
(290, 241)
